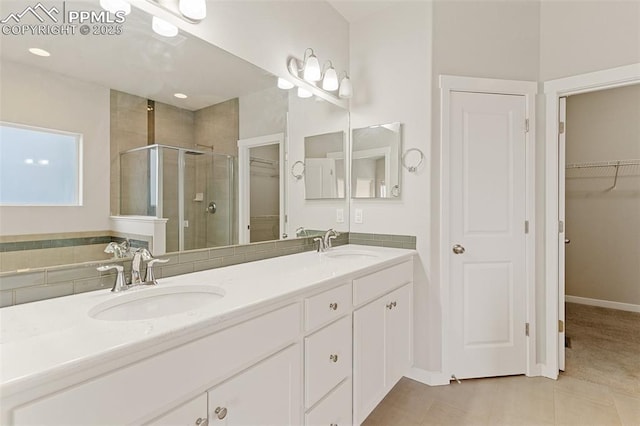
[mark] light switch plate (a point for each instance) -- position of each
(358, 216)
(340, 215)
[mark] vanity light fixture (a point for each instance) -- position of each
(284, 84)
(163, 28)
(311, 67)
(329, 77)
(346, 89)
(309, 75)
(39, 52)
(193, 9)
(304, 93)
(114, 6)
(180, 95)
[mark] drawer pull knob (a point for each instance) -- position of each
(221, 412)
(333, 306)
(333, 358)
(202, 422)
(333, 424)
(390, 306)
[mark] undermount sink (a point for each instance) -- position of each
(147, 303)
(350, 254)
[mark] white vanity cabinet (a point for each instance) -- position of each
(382, 333)
(328, 357)
(266, 394)
(191, 413)
(325, 353)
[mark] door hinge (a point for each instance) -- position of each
(526, 226)
(526, 329)
(561, 226)
(526, 125)
(560, 326)
(561, 127)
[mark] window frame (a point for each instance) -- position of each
(79, 138)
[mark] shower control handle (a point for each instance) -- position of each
(211, 208)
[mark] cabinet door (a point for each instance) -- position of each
(398, 333)
(369, 359)
(192, 413)
(265, 394)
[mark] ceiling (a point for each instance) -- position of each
(142, 63)
(354, 11)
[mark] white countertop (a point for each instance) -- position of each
(49, 339)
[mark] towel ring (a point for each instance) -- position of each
(297, 169)
(414, 167)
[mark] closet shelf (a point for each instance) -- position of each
(602, 169)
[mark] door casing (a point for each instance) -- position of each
(244, 146)
(554, 266)
(528, 89)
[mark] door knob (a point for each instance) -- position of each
(458, 249)
(567, 241)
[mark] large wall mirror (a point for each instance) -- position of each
(162, 120)
(375, 161)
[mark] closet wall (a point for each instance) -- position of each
(603, 223)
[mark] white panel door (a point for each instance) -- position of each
(487, 247)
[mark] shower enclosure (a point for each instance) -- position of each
(193, 189)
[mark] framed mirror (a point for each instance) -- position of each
(376, 161)
(325, 167)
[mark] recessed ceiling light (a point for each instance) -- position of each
(180, 95)
(28, 161)
(43, 162)
(39, 52)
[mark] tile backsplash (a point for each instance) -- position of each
(47, 283)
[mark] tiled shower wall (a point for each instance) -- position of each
(47, 283)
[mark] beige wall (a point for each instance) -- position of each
(603, 225)
(34, 97)
(577, 37)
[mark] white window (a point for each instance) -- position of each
(39, 167)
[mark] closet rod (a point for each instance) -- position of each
(603, 164)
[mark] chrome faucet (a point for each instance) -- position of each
(329, 236)
(138, 256)
(324, 243)
(120, 250)
(137, 278)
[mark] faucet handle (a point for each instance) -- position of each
(120, 283)
(151, 277)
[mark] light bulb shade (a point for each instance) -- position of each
(284, 84)
(162, 27)
(311, 70)
(346, 90)
(114, 6)
(330, 80)
(193, 9)
(304, 93)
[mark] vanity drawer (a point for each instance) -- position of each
(374, 285)
(335, 409)
(325, 307)
(327, 359)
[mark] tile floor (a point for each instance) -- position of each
(516, 400)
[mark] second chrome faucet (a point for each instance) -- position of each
(325, 242)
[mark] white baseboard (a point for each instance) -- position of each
(431, 378)
(603, 303)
